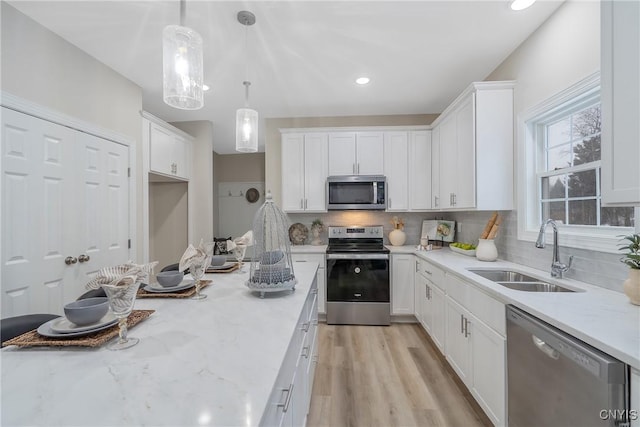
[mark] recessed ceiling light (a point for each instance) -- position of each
(521, 4)
(205, 87)
(363, 80)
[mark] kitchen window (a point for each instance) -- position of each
(561, 160)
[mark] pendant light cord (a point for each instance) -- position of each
(183, 11)
(246, 83)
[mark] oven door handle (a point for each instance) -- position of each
(357, 256)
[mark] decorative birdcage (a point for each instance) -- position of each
(271, 266)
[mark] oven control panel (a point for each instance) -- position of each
(356, 232)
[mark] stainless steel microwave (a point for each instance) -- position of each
(356, 192)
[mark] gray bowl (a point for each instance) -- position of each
(86, 311)
(169, 279)
(217, 260)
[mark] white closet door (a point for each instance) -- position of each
(64, 194)
(102, 205)
(37, 229)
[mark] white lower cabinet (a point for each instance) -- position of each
(475, 350)
(436, 305)
(458, 347)
(488, 370)
(320, 276)
(402, 289)
(291, 395)
(469, 328)
(430, 300)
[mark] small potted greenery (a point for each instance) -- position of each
(631, 258)
(317, 227)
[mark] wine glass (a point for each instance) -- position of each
(121, 300)
(238, 253)
(197, 269)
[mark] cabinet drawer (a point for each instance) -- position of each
(431, 272)
(485, 308)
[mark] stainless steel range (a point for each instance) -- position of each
(358, 290)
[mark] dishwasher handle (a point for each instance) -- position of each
(545, 348)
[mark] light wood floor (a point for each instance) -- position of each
(386, 376)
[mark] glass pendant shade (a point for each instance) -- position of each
(246, 130)
(182, 68)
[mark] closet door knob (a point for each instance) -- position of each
(70, 260)
(84, 258)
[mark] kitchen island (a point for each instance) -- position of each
(209, 362)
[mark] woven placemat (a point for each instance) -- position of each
(96, 339)
(185, 293)
(229, 269)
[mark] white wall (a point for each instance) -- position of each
(201, 181)
(40, 66)
(564, 50)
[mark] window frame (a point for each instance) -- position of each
(529, 125)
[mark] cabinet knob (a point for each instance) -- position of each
(84, 258)
(70, 260)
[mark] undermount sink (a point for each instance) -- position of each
(519, 282)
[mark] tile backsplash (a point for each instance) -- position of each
(597, 268)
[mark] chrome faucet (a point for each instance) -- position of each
(557, 267)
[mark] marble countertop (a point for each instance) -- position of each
(208, 362)
(600, 317)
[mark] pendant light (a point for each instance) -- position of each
(246, 118)
(182, 75)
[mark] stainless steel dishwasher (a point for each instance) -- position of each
(554, 379)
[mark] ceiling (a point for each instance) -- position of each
(303, 56)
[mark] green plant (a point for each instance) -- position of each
(632, 257)
(317, 223)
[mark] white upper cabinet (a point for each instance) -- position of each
(169, 152)
(420, 170)
(396, 154)
(356, 153)
(475, 148)
(304, 172)
(620, 95)
(435, 168)
(315, 172)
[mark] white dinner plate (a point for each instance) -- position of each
(64, 326)
(155, 287)
(224, 266)
(45, 330)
